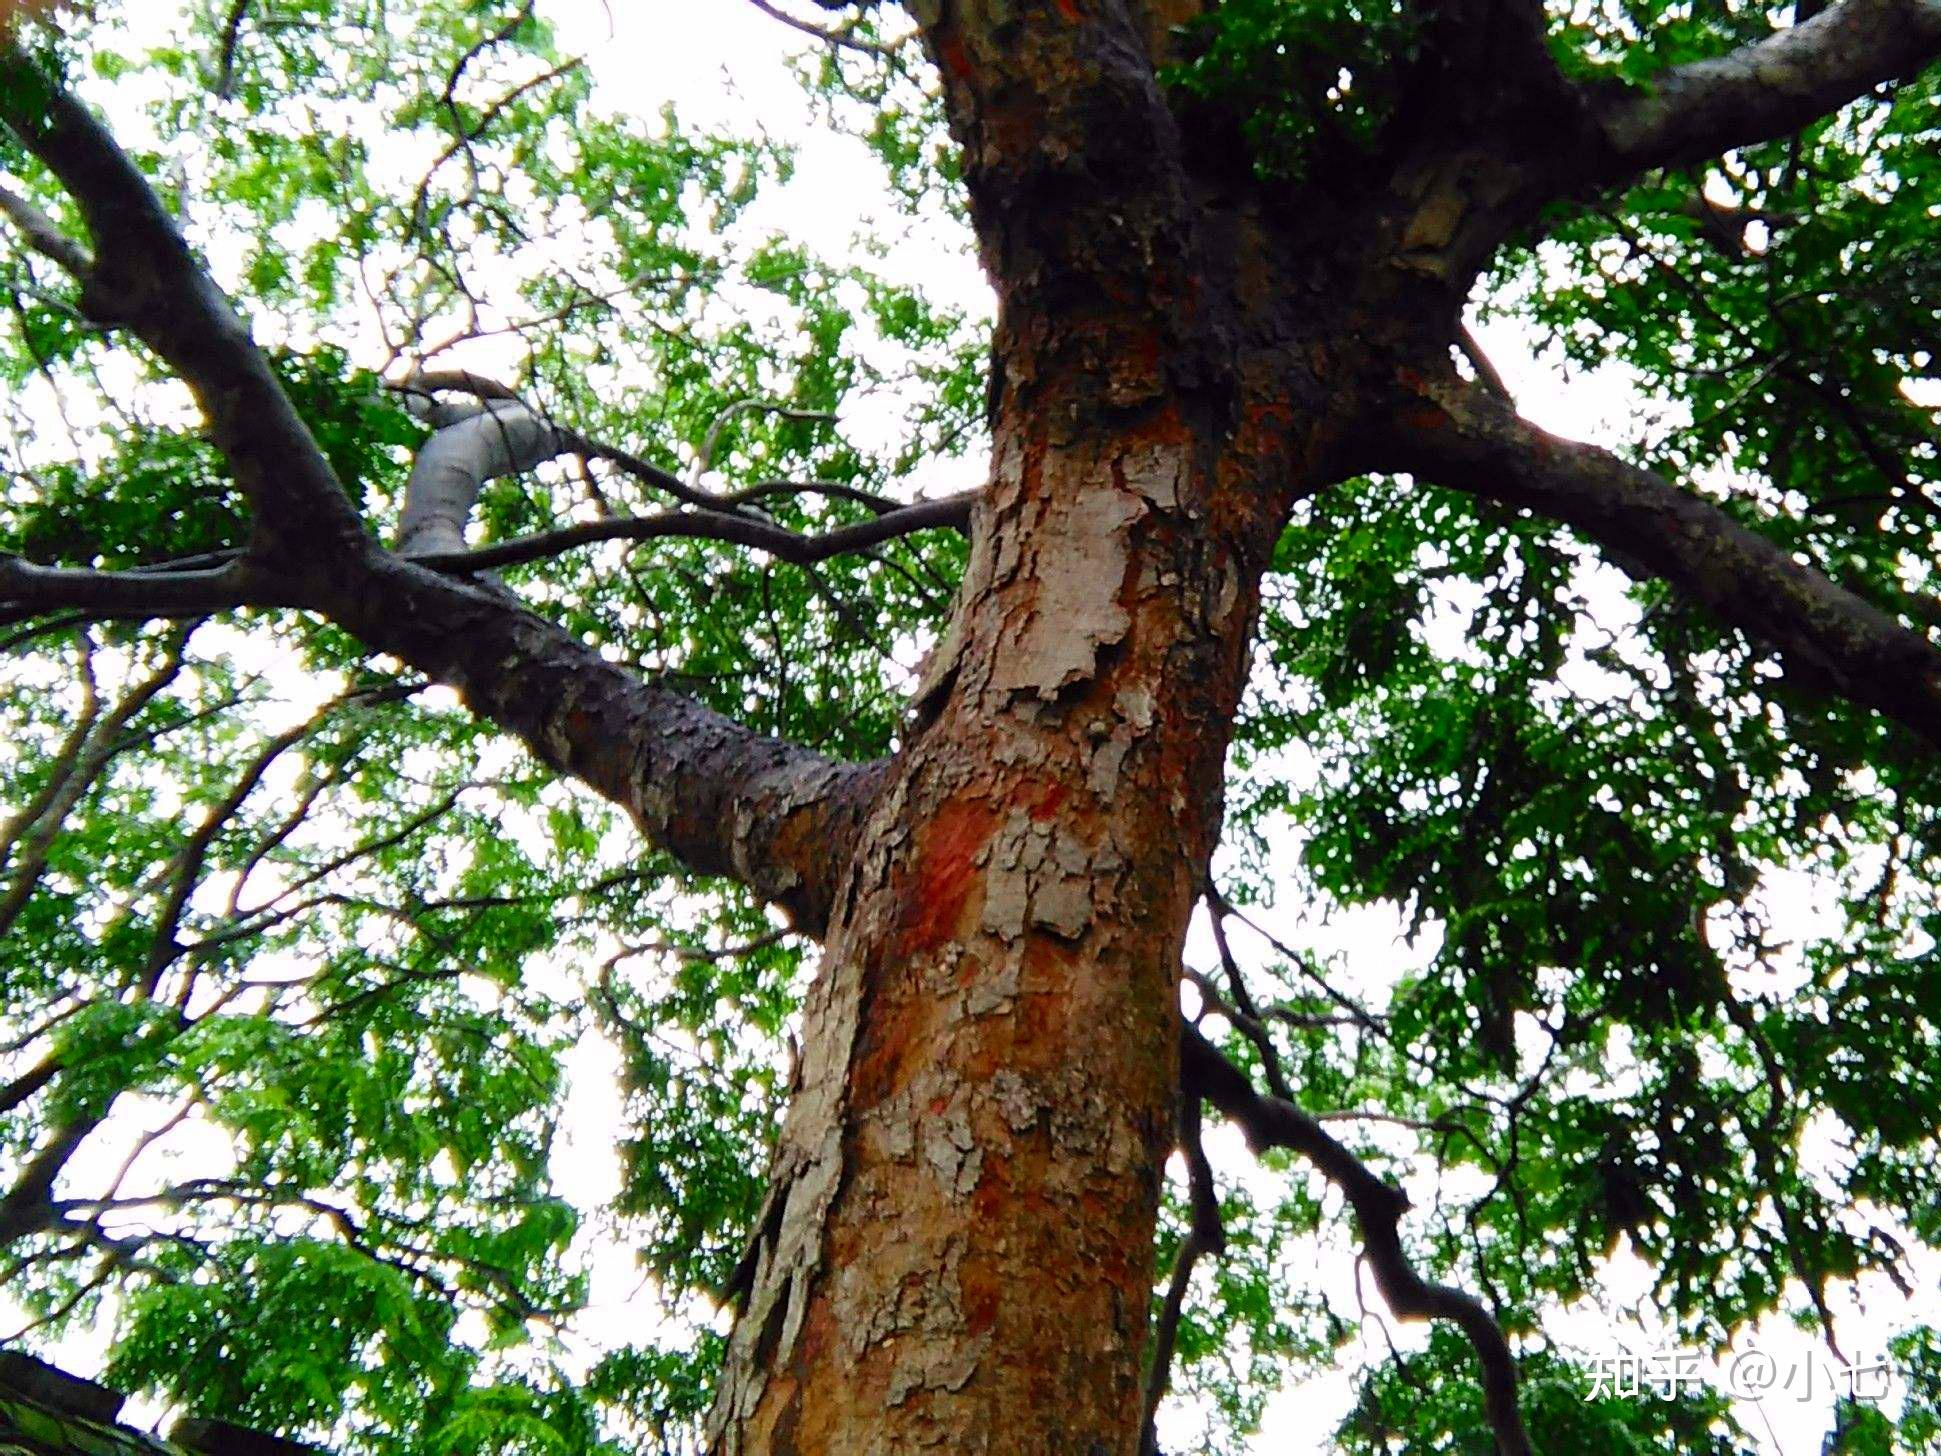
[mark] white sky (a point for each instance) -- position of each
(724, 63)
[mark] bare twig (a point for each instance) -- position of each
(826, 34)
(704, 461)
(1205, 1234)
(232, 34)
(1273, 1122)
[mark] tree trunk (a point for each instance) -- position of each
(957, 1254)
(957, 1251)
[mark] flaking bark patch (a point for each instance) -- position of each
(1080, 570)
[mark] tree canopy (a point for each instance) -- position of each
(296, 943)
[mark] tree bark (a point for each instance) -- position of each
(957, 1252)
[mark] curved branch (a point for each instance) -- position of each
(470, 446)
(474, 443)
(1273, 1122)
(144, 276)
(1461, 436)
(1773, 87)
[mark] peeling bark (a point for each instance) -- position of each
(957, 1249)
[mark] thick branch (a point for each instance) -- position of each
(1463, 437)
(1272, 1122)
(470, 445)
(1771, 88)
(1072, 156)
(27, 1207)
(143, 275)
(29, 590)
(40, 234)
(722, 799)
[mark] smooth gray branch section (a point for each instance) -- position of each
(470, 444)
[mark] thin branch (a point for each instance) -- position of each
(30, 841)
(232, 33)
(825, 34)
(952, 512)
(1205, 1234)
(704, 461)
(770, 489)
(1272, 1122)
